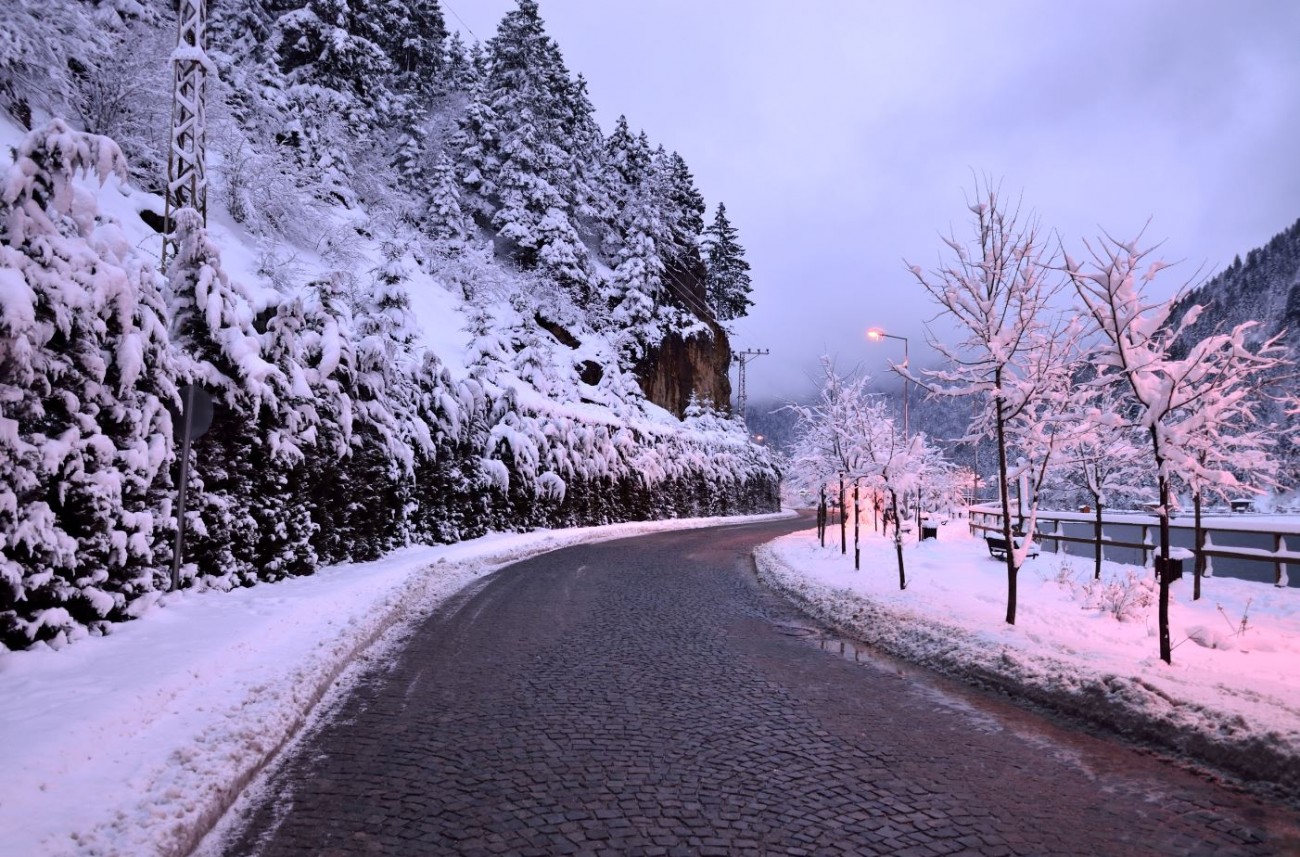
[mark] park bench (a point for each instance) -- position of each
(998, 546)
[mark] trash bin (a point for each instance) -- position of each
(1171, 568)
(929, 531)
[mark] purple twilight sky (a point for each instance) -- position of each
(844, 135)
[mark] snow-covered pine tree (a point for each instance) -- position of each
(449, 504)
(335, 92)
(411, 34)
(687, 222)
(728, 283)
(637, 282)
(638, 238)
(329, 358)
(626, 166)
(586, 147)
(140, 379)
(289, 426)
(460, 69)
(327, 43)
(513, 154)
(474, 146)
(387, 429)
(239, 31)
(212, 328)
(445, 222)
(82, 430)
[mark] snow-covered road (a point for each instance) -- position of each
(136, 743)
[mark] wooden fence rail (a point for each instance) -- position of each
(989, 520)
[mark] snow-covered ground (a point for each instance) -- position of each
(134, 744)
(1231, 697)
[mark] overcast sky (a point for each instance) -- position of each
(844, 136)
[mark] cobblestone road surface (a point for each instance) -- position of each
(647, 697)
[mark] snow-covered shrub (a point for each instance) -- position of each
(84, 374)
(1125, 597)
(1211, 638)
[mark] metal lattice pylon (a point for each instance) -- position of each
(187, 177)
(742, 358)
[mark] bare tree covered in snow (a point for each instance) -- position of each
(1192, 400)
(850, 432)
(1101, 454)
(997, 287)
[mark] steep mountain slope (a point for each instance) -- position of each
(1264, 288)
(429, 298)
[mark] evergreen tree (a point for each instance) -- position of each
(280, 503)
(411, 35)
(323, 44)
(514, 155)
(460, 68)
(728, 273)
(638, 277)
(329, 360)
(212, 324)
(688, 204)
(388, 432)
(445, 220)
(586, 147)
(83, 444)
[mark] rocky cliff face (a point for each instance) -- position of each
(680, 366)
(684, 365)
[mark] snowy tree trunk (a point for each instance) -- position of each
(844, 531)
(1006, 510)
(898, 540)
(1162, 561)
(1200, 548)
(857, 549)
(1096, 534)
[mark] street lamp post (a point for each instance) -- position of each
(876, 334)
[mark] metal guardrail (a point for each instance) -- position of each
(990, 520)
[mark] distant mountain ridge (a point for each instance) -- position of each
(1264, 288)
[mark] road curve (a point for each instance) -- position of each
(647, 696)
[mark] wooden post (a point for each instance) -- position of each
(1277, 559)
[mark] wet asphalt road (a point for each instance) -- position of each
(648, 696)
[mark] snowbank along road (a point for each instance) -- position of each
(647, 696)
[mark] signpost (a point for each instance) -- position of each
(195, 420)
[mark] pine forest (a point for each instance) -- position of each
(429, 298)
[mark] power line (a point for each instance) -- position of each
(679, 289)
(459, 18)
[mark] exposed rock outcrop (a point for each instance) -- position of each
(682, 366)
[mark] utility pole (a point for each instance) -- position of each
(742, 358)
(187, 177)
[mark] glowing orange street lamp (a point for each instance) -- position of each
(875, 334)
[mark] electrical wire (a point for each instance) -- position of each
(462, 20)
